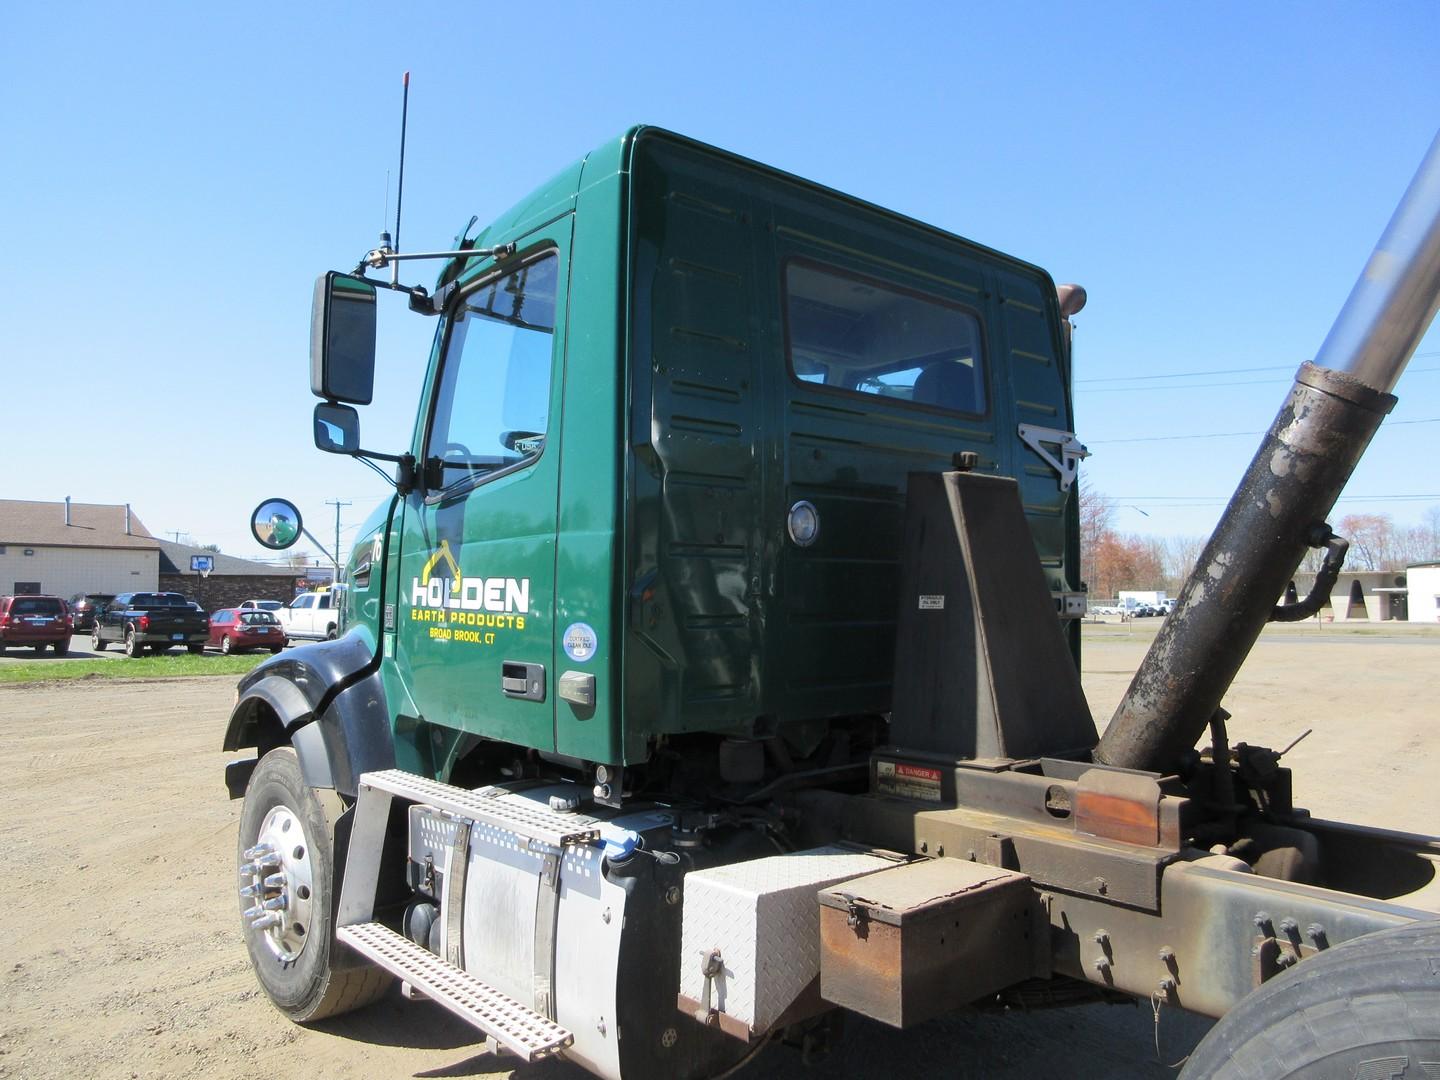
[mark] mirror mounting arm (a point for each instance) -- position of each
(420, 300)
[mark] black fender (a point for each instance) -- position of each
(325, 699)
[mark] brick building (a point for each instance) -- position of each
(232, 582)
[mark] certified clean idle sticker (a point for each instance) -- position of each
(579, 641)
(932, 603)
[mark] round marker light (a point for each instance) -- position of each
(803, 523)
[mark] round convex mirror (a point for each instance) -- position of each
(276, 523)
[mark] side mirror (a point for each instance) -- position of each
(342, 339)
(276, 524)
(337, 428)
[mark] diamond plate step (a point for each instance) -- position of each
(532, 821)
(519, 1029)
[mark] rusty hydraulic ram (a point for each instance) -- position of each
(1302, 465)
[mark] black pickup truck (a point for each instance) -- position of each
(153, 620)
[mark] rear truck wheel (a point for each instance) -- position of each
(195, 650)
(288, 896)
(1369, 1007)
(61, 647)
(133, 647)
(97, 643)
(225, 644)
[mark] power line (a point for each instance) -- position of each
(1229, 434)
(1218, 371)
(1203, 386)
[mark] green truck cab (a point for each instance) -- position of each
(662, 450)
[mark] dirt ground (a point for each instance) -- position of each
(120, 943)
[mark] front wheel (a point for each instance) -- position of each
(1364, 1008)
(288, 896)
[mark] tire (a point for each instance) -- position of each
(133, 648)
(1364, 1008)
(275, 650)
(296, 972)
(2, 648)
(39, 648)
(225, 648)
(61, 647)
(330, 633)
(97, 643)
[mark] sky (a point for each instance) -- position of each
(174, 177)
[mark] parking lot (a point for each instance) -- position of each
(121, 944)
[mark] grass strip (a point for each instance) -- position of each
(54, 669)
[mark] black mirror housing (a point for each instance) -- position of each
(342, 339)
(337, 428)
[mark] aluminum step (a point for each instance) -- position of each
(517, 1028)
(528, 819)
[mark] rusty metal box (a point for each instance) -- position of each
(911, 943)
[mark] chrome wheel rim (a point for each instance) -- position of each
(277, 884)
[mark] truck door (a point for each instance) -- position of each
(475, 598)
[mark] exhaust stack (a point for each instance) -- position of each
(1322, 429)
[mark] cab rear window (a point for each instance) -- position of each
(859, 335)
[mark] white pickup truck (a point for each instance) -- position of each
(312, 615)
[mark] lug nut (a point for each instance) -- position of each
(275, 881)
(276, 903)
(266, 921)
(251, 891)
(259, 851)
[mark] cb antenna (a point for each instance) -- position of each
(400, 184)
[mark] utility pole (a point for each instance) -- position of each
(337, 504)
(177, 533)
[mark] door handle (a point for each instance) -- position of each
(525, 682)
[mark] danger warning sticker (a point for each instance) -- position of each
(907, 781)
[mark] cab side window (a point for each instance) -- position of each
(492, 409)
(858, 335)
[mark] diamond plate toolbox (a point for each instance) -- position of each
(763, 919)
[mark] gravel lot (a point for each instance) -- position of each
(123, 957)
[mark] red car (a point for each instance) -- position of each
(233, 630)
(35, 620)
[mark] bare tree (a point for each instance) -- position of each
(1096, 514)
(1371, 540)
(1181, 555)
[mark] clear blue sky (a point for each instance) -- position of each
(175, 176)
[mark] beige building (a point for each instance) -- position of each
(64, 548)
(1374, 595)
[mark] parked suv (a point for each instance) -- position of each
(35, 620)
(85, 606)
(261, 605)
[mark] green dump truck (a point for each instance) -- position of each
(713, 669)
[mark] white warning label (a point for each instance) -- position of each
(907, 781)
(932, 603)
